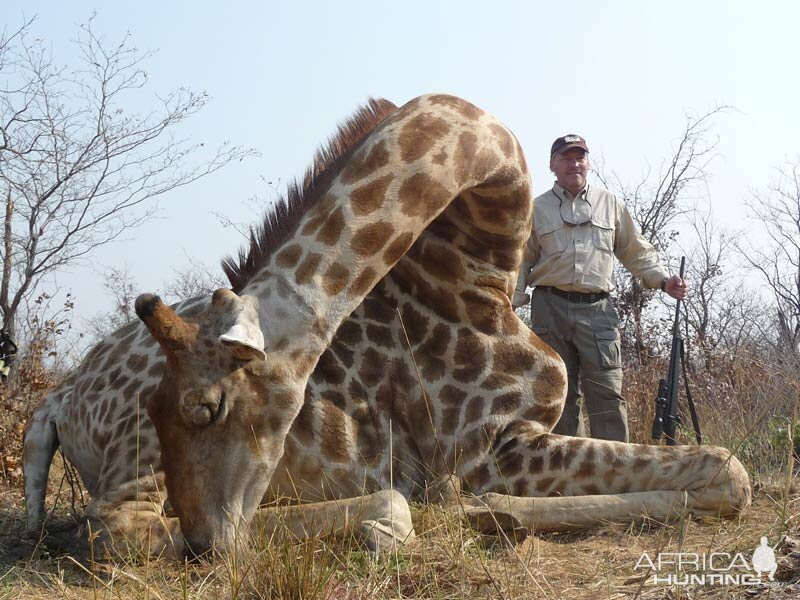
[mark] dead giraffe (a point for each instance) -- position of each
(97, 414)
(382, 320)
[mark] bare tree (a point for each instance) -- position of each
(723, 316)
(121, 287)
(76, 168)
(656, 202)
(194, 280)
(777, 260)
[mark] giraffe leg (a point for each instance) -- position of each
(39, 446)
(131, 519)
(492, 512)
(381, 520)
(556, 483)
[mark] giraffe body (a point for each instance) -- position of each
(391, 358)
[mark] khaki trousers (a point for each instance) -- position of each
(586, 335)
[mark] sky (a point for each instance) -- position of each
(281, 75)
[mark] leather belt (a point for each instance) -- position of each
(582, 297)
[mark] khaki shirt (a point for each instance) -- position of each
(580, 258)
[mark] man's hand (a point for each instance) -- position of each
(520, 299)
(677, 287)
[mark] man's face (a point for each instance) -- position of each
(571, 168)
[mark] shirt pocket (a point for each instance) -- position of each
(603, 236)
(552, 238)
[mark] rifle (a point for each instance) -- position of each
(667, 416)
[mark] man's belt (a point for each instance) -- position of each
(583, 297)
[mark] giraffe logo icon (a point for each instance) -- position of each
(764, 560)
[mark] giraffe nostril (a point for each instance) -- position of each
(217, 409)
(202, 410)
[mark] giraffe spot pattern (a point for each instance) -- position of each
(419, 135)
(363, 282)
(422, 197)
(464, 108)
(329, 369)
(376, 309)
(414, 323)
(369, 197)
(398, 248)
(504, 139)
(436, 298)
(343, 352)
(512, 358)
(319, 214)
(137, 362)
(452, 396)
(438, 341)
(380, 335)
(474, 410)
(373, 367)
(470, 356)
(349, 333)
(365, 163)
(307, 269)
(335, 279)
(481, 310)
(431, 367)
(331, 230)
(288, 256)
(505, 404)
(371, 238)
(439, 262)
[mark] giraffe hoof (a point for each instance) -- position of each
(498, 524)
(383, 535)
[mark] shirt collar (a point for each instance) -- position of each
(565, 195)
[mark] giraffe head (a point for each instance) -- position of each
(218, 387)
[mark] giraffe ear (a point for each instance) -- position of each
(244, 336)
(171, 331)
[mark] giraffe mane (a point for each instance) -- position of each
(281, 220)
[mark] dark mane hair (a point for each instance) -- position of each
(282, 220)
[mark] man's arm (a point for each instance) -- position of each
(641, 259)
(531, 255)
(634, 252)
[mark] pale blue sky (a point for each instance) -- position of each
(282, 74)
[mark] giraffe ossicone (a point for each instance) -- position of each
(390, 359)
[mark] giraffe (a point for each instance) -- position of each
(97, 413)
(375, 348)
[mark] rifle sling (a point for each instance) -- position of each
(690, 402)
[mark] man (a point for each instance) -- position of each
(577, 231)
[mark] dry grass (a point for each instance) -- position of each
(447, 561)
(739, 409)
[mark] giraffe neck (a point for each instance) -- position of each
(405, 174)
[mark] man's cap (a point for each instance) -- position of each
(565, 142)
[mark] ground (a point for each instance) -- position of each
(447, 561)
(754, 416)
